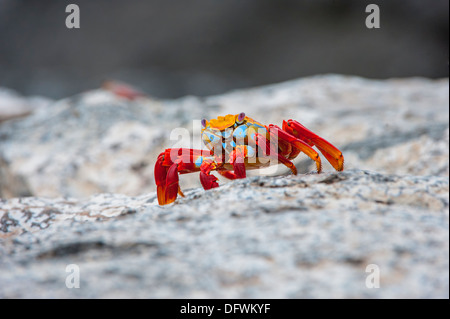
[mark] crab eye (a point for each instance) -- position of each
(241, 117)
(203, 123)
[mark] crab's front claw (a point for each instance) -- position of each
(166, 178)
(331, 153)
(208, 181)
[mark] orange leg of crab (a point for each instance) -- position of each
(331, 153)
(269, 150)
(169, 165)
(276, 132)
(228, 174)
(208, 181)
(162, 180)
(236, 158)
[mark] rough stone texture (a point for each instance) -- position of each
(276, 237)
(13, 105)
(311, 235)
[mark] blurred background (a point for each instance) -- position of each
(201, 47)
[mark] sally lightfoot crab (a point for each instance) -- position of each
(237, 143)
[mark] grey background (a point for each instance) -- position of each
(201, 47)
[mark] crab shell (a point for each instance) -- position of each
(224, 134)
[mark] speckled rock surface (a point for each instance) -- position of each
(88, 163)
(310, 236)
(12, 105)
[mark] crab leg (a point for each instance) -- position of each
(269, 150)
(228, 174)
(208, 181)
(331, 153)
(237, 157)
(275, 131)
(165, 181)
(169, 164)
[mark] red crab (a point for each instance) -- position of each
(235, 144)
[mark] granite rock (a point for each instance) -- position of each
(305, 236)
(97, 142)
(87, 161)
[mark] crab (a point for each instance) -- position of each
(235, 144)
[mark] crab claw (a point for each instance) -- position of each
(331, 153)
(208, 181)
(166, 179)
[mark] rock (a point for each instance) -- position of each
(88, 163)
(12, 105)
(305, 236)
(86, 144)
(392, 126)
(11, 185)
